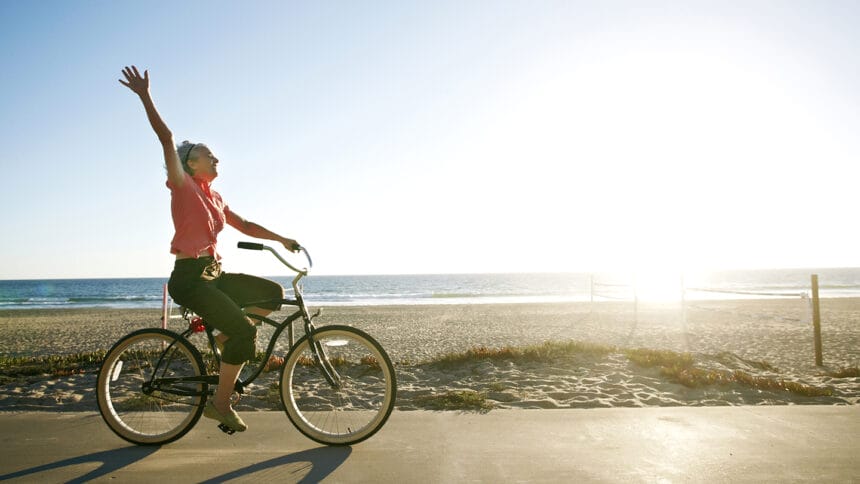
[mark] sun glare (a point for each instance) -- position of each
(659, 286)
(647, 159)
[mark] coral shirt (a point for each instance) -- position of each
(199, 214)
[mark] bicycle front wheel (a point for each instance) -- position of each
(150, 389)
(356, 402)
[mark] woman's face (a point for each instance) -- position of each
(204, 164)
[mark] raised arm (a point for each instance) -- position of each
(140, 86)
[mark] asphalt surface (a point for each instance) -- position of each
(663, 444)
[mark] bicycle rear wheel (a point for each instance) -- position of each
(360, 401)
(149, 389)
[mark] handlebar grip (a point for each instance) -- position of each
(250, 246)
(308, 255)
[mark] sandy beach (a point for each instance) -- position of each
(721, 336)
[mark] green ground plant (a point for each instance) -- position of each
(853, 372)
(676, 367)
(550, 351)
(51, 365)
(679, 368)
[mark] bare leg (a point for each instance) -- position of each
(229, 373)
(219, 407)
(226, 383)
(258, 312)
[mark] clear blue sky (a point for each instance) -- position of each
(444, 136)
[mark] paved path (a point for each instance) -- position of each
(665, 444)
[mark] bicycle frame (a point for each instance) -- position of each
(287, 324)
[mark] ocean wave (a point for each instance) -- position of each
(30, 304)
(435, 289)
(839, 286)
(457, 295)
(81, 302)
(86, 299)
(13, 300)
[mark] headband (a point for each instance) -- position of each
(188, 153)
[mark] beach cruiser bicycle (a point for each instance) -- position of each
(337, 384)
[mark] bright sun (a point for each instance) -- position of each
(648, 161)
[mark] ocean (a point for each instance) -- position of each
(457, 288)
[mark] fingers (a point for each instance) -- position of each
(126, 72)
(291, 245)
(132, 72)
(134, 81)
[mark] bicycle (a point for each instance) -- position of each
(337, 384)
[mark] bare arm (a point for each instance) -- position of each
(140, 86)
(257, 231)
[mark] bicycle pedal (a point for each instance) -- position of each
(227, 430)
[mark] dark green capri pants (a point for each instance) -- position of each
(199, 285)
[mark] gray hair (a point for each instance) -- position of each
(184, 152)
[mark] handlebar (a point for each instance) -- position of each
(251, 246)
(256, 246)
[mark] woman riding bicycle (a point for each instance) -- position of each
(199, 214)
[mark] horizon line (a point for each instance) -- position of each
(583, 272)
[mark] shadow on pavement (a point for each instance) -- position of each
(312, 465)
(111, 460)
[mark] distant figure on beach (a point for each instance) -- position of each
(199, 214)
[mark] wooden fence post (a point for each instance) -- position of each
(683, 301)
(164, 312)
(591, 291)
(635, 298)
(816, 321)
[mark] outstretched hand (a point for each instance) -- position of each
(134, 81)
(291, 245)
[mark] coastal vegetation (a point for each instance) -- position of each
(685, 369)
(547, 352)
(13, 368)
(679, 368)
(676, 367)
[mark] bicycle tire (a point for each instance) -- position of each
(355, 410)
(161, 415)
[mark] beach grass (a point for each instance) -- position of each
(679, 368)
(649, 358)
(13, 367)
(675, 367)
(852, 372)
(726, 357)
(549, 351)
